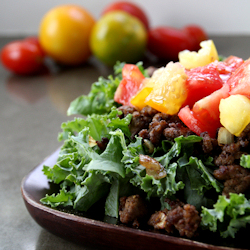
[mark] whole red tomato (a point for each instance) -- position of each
(23, 56)
(197, 35)
(167, 42)
(130, 8)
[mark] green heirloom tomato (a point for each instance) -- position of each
(118, 36)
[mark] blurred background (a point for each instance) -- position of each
(22, 17)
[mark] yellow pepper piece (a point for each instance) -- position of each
(169, 91)
(206, 55)
(235, 113)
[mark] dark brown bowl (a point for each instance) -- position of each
(87, 231)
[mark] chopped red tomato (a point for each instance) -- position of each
(205, 115)
(130, 84)
(228, 66)
(233, 62)
(201, 82)
(239, 81)
(188, 118)
(211, 104)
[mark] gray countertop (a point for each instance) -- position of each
(31, 112)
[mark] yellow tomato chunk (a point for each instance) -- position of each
(169, 91)
(206, 55)
(148, 83)
(139, 99)
(235, 113)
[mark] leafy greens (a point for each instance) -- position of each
(86, 174)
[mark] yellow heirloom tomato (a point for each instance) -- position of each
(169, 91)
(235, 113)
(65, 32)
(139, 99)
(148, 83)
(206, 55)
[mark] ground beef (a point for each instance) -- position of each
(153, 125)
(132, 210)
(174, 203)
(245, 133)
(182, 217)
(162, 127)
(149, 112)
(138, 122)
(127, 110)
(156, 131)
(140, 119)
(230, 154)
(236, 179)
(161, 116)
(175, 130)
(208, 143)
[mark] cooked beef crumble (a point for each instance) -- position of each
(132, 210)
(155, 126)
(237, 179)
(181, 217)
(208, 144)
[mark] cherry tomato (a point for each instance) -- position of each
(197, 35)
(118, 36)
(23, 56)
(130, 8)
(130, 84)
(65, 32)
(167, 42)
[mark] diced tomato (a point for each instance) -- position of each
(233, 62)
(211, 103)
(201, 82)
(240, 79)
(205, 115)
(130, 84)
(228, 66)
(188, 118)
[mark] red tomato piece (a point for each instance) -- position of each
(211, 104)
(130, 8)
(240, 79)
(233, 62)
(197, 35)
(130, 84)
(228, 66)
(167, 42)
(201, 82)
(188, 118)
(23, 57)
(205, 115)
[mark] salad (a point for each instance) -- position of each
(166, 148)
